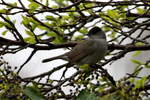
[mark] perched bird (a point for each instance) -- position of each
(89, 51)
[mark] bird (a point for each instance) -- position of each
(88, 51)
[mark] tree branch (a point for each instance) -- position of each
(4, 41)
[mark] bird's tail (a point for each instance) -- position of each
(54, 58)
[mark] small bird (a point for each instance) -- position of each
(89, 51)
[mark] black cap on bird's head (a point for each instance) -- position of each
(94, 30)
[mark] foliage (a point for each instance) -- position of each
(51, 24)
(33, 93)
(86, 95)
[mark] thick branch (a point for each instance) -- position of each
(9, 42)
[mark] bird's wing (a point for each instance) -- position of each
(81, 50)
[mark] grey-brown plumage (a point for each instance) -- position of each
(89, 51)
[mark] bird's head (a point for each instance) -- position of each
(96, 32)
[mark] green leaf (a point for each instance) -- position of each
(30, 40)
(78, 37)
(113, 14)
(51, 34)
(30, 0)
(33, 93)
(115, 96)
(29, 23)
(13, 4)
(1, 24)
(8, 18)
(132, 80)
(136, 53)
(55, 7)
(84, 67)
(32, 21)
(136, 62)
(140, 10)
(106, 29)
(6, 24)
(65, 17)
(33, 5)
(141, 83)
(29, 33)
(42, 27)
(59, 1)
(139, 44)
(83, 30)
(86, 95)
(50, 24)
(143, 80)
(50, 81)
(88, 5)
(47, 3)
(4, 32)
(25, 21)
(3, 10)
(58, 40)
(112, 35)
(50, 18)
(148, 65)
